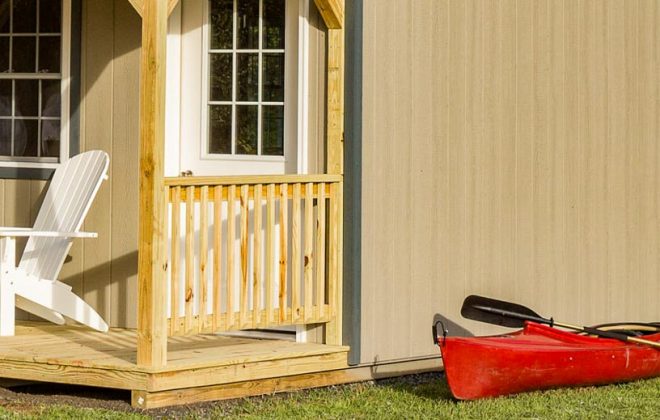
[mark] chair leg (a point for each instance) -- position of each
(7, 292)
(7, 308)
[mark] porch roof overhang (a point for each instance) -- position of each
(332, 11)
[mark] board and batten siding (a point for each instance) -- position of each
(510, 149)
(104, 270)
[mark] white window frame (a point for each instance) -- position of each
(179, 109)
(65, 89)
(234, 102)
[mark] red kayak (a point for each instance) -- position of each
(540, 357)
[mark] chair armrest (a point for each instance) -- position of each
(23, 232)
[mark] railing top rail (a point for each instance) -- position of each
(250, 179)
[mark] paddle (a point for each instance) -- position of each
(512, 315)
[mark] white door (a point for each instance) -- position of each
(235, 101)
(233, 68)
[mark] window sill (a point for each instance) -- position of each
(27, 170)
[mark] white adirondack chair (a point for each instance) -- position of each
(33, 285)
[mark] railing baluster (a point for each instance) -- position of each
(284, 243)
(295, 255)
(203, 256)
(231, 240)
(333, 251)
(245, 208)
(258, 243)
(270, 250)
(217, 257)
(309, 249)
(320, 250)
(174, 260)
(190, 257)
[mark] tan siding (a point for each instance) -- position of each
(510, 148)
(111, 59)
(125, 168)
(102, 270)
(97, 89)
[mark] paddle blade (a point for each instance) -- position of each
(498, 312)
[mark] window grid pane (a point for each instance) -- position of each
(256, 79)
(30, 102)
(5, 14)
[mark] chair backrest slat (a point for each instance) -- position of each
(65, 205)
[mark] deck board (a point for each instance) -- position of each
(76, 355)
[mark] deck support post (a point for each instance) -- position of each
(152, 265)
(333, 14)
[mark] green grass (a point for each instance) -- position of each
(426, 397)
(67, 413)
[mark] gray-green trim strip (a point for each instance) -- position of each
(353, 181)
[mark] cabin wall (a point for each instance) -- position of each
(510, 149)
(107, 269)
(104, 270)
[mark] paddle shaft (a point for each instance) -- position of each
(552, 322)
(609, 334)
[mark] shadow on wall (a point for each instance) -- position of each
(121, 289)
(453, 329)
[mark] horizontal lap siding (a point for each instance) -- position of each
(510, 148)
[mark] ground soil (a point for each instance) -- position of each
(27, 397)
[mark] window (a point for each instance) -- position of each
(236, 94)
(34, 82)
(246, 62)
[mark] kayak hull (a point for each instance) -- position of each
(540, 357)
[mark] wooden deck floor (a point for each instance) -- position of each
(76, 355)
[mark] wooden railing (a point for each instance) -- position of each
(252, 252)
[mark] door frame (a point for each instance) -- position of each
(186, 43)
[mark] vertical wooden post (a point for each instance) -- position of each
(335, 152)
(335, 140)
(152, 335)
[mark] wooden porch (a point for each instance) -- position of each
(205, 246)
(199, 367)
(314, 298)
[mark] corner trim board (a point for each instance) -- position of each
(352, 293)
